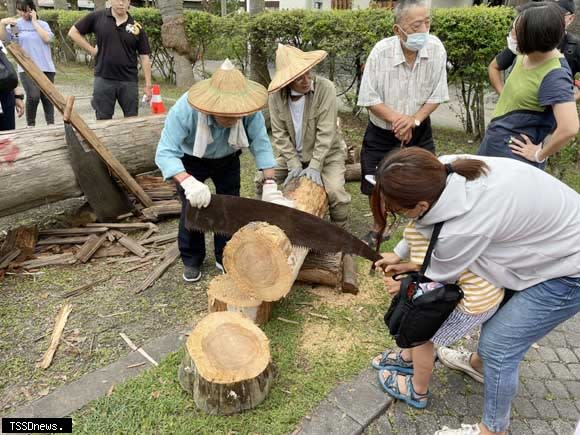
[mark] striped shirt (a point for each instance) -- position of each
(479, 295)
(389, 79)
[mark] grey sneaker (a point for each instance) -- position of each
(220, 267)
(191, 273)
(458, 361)
(466, 429)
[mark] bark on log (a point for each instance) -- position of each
(258, 259)
(223, 295)
(39, 172)
(353, 172)
(324, 269)
(226, 365)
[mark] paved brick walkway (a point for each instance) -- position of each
(548, 401)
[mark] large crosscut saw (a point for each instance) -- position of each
(227, 214)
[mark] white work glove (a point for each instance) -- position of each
(196, 192)
(270, 193)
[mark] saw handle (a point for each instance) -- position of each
(70, 100)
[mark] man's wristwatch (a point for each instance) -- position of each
(417, 122)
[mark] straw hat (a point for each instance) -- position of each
(227, 93)
(291, 63)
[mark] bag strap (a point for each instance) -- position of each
(432, 242)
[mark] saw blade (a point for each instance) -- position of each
(227, 214)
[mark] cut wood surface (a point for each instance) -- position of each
(50, 90)
(170, 255)
(258, 259)
(23, 238)
(41, 172)
(353, 172)
(59, 325)
(91, 246)
(322, 268)
(226, 365)
(224, 295)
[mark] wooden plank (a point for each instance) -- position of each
(90, 247)
(131, 244)
(84, 288)
(8, 258)
(50, 260)
(23, 238)
(73, 231)
(111, 251)
(171, 254)
(162, 208)
(59, 325)
(163, 238)
(63, 240)
(127, 226)
(48, 88)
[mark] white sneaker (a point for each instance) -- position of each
(458, 361)
(220, 267)
(466, 429)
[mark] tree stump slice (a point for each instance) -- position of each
(258, 259)
(224, 295)
(226, 366)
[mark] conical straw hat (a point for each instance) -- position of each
(291, 63)
(227, 93)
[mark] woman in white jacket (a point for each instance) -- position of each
(522, 235)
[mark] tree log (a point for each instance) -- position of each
(226, 365)
(38, 169)
(223, 295)
(353, 172)
(258, 259)
(324, 269)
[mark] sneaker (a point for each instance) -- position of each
(220, 267)
(466, 429)
(191, 273)
(458, 361)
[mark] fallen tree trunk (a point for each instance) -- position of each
(35, 162)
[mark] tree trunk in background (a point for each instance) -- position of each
(11, 7)
(99, 4)
(175, 39)
(258, 60)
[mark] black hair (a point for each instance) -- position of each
(23, 5)
(539, 27)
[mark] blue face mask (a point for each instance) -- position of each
(415, 41)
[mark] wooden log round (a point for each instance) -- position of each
(36, 165)
(224, 295)
(353, 172)
(226, 366)
(258, 259)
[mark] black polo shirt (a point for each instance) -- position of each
(570, 48)
(119, 46)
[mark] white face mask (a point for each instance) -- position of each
(512, 44)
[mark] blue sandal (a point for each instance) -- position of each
(397, 364)
(411, 398)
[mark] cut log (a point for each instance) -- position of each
(91, 246)
(353, 172)
(170, 255)
(41, 172)
(23, 238)
(223, 295)
(349, 275)
(258, 259)
(324, 269)
(226, 366)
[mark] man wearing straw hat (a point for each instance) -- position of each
(303, 117)
(204, 134)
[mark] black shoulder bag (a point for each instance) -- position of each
(8, 76)
(414, 318)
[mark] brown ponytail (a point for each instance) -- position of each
(406, 177)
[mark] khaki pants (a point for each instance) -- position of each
(332, 175)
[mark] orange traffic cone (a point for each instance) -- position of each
(157, 105)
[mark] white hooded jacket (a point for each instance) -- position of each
(515, 228)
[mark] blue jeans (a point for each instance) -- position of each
(527, 317)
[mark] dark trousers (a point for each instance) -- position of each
(107, 92)
(33, 97)
(378, 142)
(8, 117)
(225, 174)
